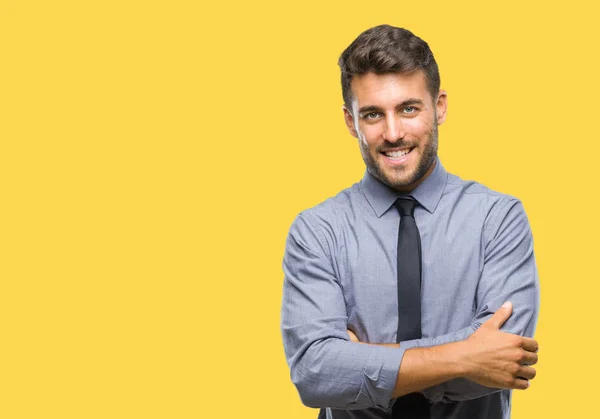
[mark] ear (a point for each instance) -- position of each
(349, 121)
(441, 106)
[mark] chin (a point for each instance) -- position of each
(401, 177)
(397, 182)
(402, 184)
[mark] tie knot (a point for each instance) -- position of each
(405, 206)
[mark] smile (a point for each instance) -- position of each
(397, 155)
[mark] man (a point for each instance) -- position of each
(413, 293)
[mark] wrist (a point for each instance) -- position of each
(458, 359)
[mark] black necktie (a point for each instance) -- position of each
(414, 405)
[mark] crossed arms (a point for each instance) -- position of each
(330, 370)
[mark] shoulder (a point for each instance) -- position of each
(478, 194)
(323, 221)
(497, 209)
(476, 190)
(328, 212)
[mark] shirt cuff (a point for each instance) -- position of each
(380, 375)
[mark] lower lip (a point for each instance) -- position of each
(399, 161)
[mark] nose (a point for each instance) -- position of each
(394, 128)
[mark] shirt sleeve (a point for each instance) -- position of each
(327, 369)
(509, 274)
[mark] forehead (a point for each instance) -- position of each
(389, 88)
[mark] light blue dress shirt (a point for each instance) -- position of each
(340, 272)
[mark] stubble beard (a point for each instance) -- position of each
(427, 159)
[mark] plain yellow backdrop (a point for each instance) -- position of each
(154, 153)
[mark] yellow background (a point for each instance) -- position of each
(154, 153)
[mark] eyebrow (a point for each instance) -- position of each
(407, 102)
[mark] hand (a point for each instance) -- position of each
(497, 359)
(353, 337)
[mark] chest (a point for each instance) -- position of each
(452, 255)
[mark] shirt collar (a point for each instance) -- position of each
(428, 194)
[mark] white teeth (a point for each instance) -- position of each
(397, 154)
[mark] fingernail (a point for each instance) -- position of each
(506, 304)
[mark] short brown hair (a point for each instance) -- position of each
(387, 49)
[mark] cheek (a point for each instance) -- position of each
(370, 135)
(417, 128)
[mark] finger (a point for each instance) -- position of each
(353, 337)
(530, 345)
(520, 384)
(529, 358)
(500, 316)
(527, 373)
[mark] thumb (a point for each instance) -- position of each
(500, 316)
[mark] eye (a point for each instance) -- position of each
(409, 109)
(371, 115)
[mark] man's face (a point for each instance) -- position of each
(395, 120)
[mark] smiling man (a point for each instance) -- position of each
(413, 293)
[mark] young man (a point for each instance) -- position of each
(413, 293)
